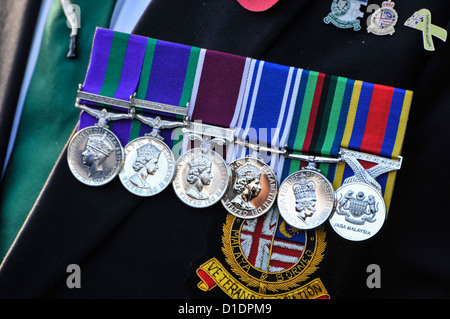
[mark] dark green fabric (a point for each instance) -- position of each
(49, 115)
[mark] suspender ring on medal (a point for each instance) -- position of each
(307, 198)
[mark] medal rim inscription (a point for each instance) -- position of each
(180, 187)
(288, 213)
(345, 234)
(231, 194)
(147, 192)
(75, 169)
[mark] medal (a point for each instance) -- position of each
(253, 188)
(306, 199)
(202, 175)
(345, 13)
(383, 20)
(360, 210)
(95, 154)
(149, 164)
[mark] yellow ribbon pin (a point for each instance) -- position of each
(421, 20)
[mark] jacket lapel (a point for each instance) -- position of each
(16, 32)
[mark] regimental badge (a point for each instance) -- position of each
(149, 164)
(94, 154)
(267, 259)
(345, 13)
(360, 210)
(306, 199)
(253, 188)
(383, 20)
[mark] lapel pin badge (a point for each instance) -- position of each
(383, 20)
(345, 13)
(421, 20)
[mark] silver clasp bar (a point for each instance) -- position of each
(132, 103)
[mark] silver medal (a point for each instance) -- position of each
(306, 199)
(202, 175)
(94, 154)
(202, 178)
(253, 189)
(360, 210)
(149, 164)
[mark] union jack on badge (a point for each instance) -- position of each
(267, 259)
(383, 20)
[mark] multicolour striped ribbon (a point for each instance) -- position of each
(267, 109)
(333, 112)
(114, 71)
(167, 77)
(269, 104)
(157, 71)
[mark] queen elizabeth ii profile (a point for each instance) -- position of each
(199, 176)
(247, 186)
(145, 164)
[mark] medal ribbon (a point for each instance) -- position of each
(114, 71)
(333, 112)
(218, 88)
(268, 109)
(167, 77)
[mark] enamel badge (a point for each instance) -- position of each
(383, 20)
(421, 20)
(345, 13)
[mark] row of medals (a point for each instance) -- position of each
(247, 187)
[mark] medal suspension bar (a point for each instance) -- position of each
(227, 134)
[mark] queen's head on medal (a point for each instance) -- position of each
(247, 186)
(305, 198)
(199, 176)
(145, 164)
(97, 150)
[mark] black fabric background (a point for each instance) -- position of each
(17, 21)
(128, 247)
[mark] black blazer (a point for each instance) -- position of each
(131, 247)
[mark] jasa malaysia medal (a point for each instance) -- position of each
(383, 20)
(95, 155)
(306, 198)
(202, 175)
(360, 209)
(253, 189)
(149, 164)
